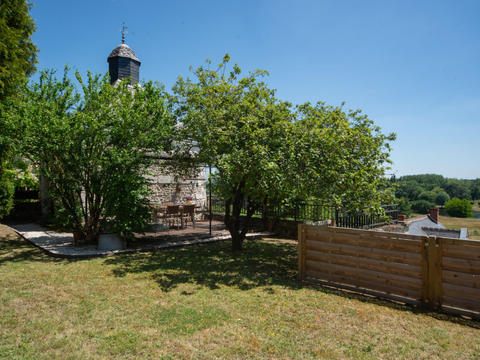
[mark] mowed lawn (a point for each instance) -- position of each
(202, 302)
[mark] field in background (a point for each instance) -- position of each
(476, 205)
(472, 224)
(455, 223)
(203, 302)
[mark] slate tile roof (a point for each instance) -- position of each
(123, 50)
(425, 225)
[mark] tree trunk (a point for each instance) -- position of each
(237, 242)
(234, 227)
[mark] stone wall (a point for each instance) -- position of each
(167, 188)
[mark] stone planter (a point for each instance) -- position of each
(111, 241)
(79, 239)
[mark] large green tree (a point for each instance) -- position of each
(264, 149)
(17, 62)
(339, 157)
(235, 125)
(17, 51)
(94, 146)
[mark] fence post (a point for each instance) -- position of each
(434, 272)
(425, 292)
(301, 252)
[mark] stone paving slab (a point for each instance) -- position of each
(59, 244)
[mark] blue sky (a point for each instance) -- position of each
(412, 66)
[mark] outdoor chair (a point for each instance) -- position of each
(188, 211)
(172, 214)
(156, 211)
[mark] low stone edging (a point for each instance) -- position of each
(60, 245)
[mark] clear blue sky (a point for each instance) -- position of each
(412, 66)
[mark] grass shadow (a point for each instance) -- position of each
(15, 248)
(261, 263)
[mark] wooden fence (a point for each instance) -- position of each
(431, 271)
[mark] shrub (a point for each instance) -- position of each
(422, 206)
(459, 207)
(7, 189)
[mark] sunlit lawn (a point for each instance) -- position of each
(202, 302)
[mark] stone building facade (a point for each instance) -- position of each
(124, 63)
(166, 188)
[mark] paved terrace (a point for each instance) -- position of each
(59, 244)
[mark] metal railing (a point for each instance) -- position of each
(312, 211)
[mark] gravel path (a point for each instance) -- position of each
(61, 244)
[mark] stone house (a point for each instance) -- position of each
(124, 63)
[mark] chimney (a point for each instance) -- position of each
(434, 212)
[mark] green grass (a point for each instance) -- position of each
(203, 302)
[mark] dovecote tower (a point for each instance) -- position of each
(123, 63)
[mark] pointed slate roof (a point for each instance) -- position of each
(123, 50)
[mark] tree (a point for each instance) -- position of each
(263, 149)
(94, 146)
(475, 192)
(409, 189)
(339, 157)
(427, 181)
(459, 207)
(441, 198)
(422, 206)
(17, 62)
(458, 189)
(17, 51)
(236, 125)
(427, 195)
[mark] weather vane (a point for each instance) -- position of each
(124, 31)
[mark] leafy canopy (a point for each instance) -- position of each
(263, 149)
(94, 143)
(459, 207)
(235, 125)
(17, 62)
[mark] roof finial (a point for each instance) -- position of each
(124, 31)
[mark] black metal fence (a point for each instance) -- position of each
(366, 220)
(311, 211)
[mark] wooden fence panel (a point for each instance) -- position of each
(372, 260)
(433, 271)
(461, 274)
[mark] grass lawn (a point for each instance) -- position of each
(202, 302)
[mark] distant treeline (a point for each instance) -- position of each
(418, 193)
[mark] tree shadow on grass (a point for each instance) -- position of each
(261, 263)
